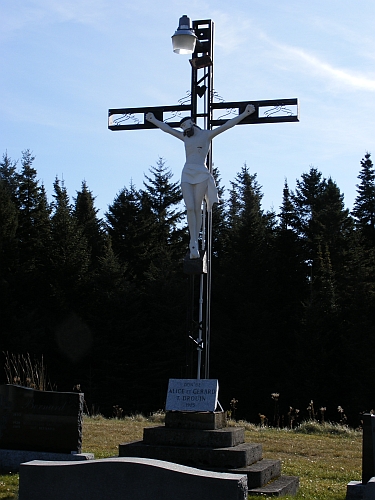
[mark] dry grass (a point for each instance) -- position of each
(102, 436)
(324, 463)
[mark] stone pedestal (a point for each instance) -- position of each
(195, 420)
(10, 460)
(203, 441)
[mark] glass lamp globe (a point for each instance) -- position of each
(184, 39)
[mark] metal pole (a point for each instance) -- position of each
(204, 31)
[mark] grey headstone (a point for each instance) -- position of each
(368, 448)
(127, 479)
(40, 420)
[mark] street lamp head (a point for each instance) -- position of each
(184, 39)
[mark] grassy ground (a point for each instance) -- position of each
(325, 458)
(324, 462)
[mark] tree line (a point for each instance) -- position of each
(105, 300)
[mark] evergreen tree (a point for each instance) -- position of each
(308, 203)
(86, 215)
(287, 214)
(8, 247)
(8, 175)
(129, 222)
(321, 221)
(249, 226)
(33, 214)
(326, 230)
(290, 288)
(219, 223)
(242, 319)
(364, 205)
(8, 214)
(69, 256)
(165, 198)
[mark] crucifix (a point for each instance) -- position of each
(197, 183)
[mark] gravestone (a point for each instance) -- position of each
(126, 479)
(365, 489)
(45, 421)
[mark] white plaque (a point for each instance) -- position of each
(192, 394)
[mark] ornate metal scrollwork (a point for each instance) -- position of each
(124, 118)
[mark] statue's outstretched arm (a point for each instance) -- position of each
(164, 126)
(249, 110)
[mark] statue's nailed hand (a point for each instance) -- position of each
(249, 110)
(150, 117)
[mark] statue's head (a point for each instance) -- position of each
(187, 125)
(186, 122)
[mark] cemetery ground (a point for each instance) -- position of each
(324, 456)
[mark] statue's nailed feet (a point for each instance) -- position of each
(194, 250)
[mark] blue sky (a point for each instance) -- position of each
(65, 62)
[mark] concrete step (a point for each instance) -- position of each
(195, 420)
(284, 485)
(258, 474)
(235, 457)
(219, 438)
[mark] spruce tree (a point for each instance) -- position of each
(326, 231)
(33, 213)
(8, 214)
(165, 199)
(364, 205)
(219, 223)
(92, 227)
(129, 223)
(8, 175)
(69, 255)
(242, 320)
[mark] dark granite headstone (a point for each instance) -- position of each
(40, 420)
(368, 448)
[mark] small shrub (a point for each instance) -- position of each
(136, 417)
(22, 370)
(314, 427)
(157, 417)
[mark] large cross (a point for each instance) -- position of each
(201, 107)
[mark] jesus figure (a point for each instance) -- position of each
(197, 181)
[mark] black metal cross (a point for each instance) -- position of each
(213, 114)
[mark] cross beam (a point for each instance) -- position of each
(268, 111)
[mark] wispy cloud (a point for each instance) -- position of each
(356, 81)
(43, 12)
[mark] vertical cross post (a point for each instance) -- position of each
(202, 88)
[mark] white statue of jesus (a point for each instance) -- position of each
(196, 180)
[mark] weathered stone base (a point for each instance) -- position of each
(227, 458)
(10, 460)
(284, 485)
(126, 478)
(220, 450)
(356, 490)
(220, 438)
(195, 420)
(259, 473)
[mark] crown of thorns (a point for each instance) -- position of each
(185, 119)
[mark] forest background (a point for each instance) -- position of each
(105, 301)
